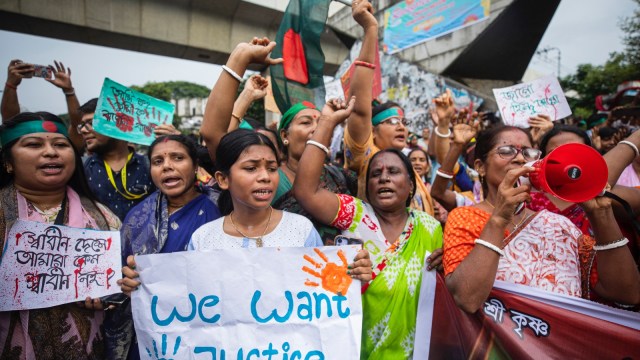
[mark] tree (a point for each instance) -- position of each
(256, 109)
(631, 28)
(173, 90)
(590, 81)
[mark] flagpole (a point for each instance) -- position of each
(346, 2)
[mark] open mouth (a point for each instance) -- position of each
(263, 193)
(52, 168)
(171, 181)
(384, 191)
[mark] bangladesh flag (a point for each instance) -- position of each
(299, 77)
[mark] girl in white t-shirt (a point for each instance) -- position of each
(248, 175)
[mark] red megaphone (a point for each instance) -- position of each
(571, 172)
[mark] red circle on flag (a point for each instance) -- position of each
(308, 104)
(49, 126)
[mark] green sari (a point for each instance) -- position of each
(390, 303)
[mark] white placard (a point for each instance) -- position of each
(44, 265)
(518, 103)
(279, 303)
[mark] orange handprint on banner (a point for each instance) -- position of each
(334, 277)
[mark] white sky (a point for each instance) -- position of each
(585, 31)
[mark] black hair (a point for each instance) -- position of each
(378, 108)
(607, 132)
(407, 165)
(89, 107)
(231, 146)
(561, 128)
(419, 149)
(77, 182)
(258, 125)
(186, 141)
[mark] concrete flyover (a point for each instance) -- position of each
(489, 54)
(200, 30)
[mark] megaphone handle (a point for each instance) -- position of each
(626, 207)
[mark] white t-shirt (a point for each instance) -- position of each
(293, 231)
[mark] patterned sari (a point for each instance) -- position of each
(149, 229)
(547, 251)
(390, 303)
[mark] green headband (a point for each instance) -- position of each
(288, 116)
(245, 125)
(387, 114)
(597, 122)
(30, 127)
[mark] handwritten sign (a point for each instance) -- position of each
(284, 303)
(45, 265)
(542, 96)
(129, 115)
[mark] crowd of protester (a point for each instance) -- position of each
(448, 198)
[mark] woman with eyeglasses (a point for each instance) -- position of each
(495, 240)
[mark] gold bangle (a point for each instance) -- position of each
(236, 117)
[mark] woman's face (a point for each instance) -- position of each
(497, 165)
(389, 136)
(300, 130)
(172, 169)
(253, 178)
(42, 161)
(562, 139)
(389, 184)
(419, 161)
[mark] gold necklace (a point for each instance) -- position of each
(258, 239)
(515, 226)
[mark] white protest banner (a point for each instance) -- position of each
(424, 325)
(276, 303)
(44, 265)
(518, 103)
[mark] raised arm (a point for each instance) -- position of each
(621, 156)
(539, 125)
(321, 203)
(254, 89)
(217, 113)
(359, 125)
(618, 277)
(62, 80)
(463, 132)
(444, 112)
(16, 72)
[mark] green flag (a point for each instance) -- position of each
(300, 77)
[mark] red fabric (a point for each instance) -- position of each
(570, 334)
(295, 63)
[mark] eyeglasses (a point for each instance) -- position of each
(88, 124)
(509, 152)
(394, 121)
